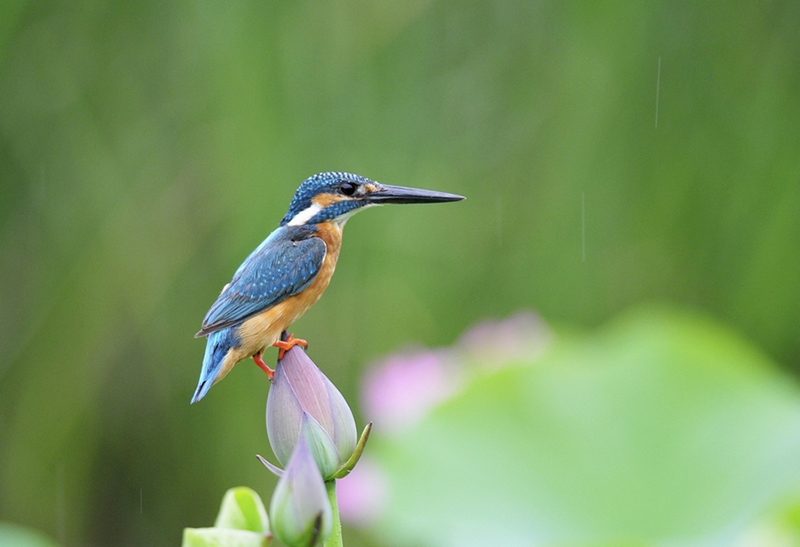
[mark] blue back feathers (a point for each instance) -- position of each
(284, 265)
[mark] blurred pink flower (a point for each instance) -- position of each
(362, 494)
(403, 387)
(494, 343)
(400, 389)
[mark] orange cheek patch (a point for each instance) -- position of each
(326, 200)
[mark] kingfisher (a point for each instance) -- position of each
(288, 272)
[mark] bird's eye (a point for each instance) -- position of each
(347, 188)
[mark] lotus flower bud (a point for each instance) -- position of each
(302, 399)
(300, 511)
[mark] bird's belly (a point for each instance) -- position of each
(264, 329)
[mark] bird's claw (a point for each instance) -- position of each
(289, 343)
(263, 366)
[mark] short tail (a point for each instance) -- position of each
(217, 347)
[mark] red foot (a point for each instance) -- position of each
(289, 343)
(263, 366)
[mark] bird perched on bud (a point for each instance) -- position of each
(285, 275)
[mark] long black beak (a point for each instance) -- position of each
(401, 194)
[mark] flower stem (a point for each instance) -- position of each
(335, 539)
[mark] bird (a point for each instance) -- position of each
(288, 272)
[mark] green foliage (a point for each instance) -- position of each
(241, 522)
(242, 509)
(147, 147)
(661, 429)
(221, 537)
(12, 535)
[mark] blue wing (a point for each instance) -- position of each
(283, 265)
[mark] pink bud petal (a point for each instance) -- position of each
(300, 388)
(307, 384)
(284, 416)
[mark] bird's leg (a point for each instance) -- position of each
(287, 344)
(263, 366)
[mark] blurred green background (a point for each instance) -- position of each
(612, 154)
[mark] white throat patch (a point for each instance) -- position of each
(305, 215)
(345, 217)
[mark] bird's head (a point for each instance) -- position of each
(335, 196)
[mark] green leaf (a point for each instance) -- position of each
(222, 537)
(662, 429)
(13, 535)
(242, 509)
(351, 463)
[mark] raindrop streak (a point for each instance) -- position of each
(583, 226)
(658, 87)
(499, 212)
(140, 501)
(42, 184)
